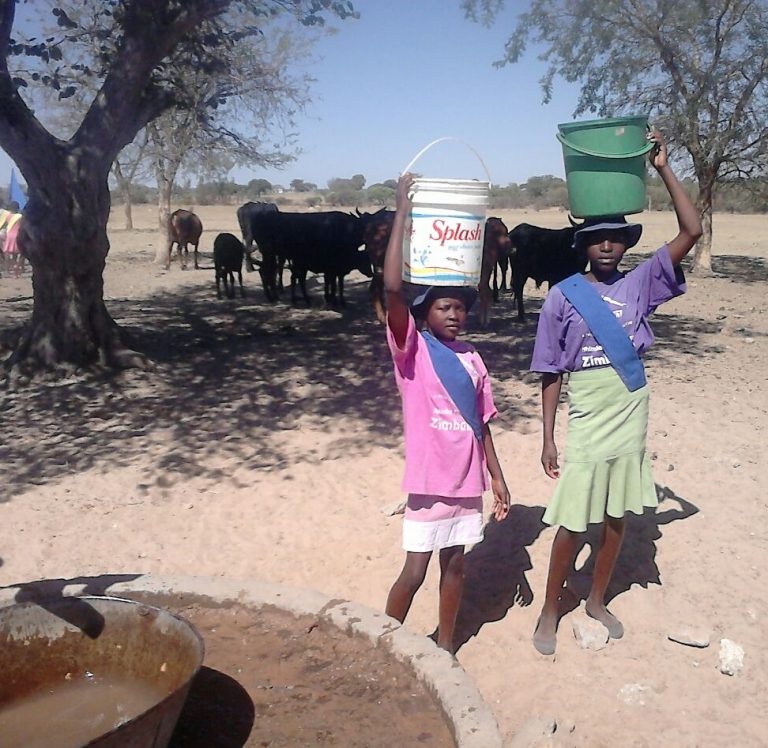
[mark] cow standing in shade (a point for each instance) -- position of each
(327, 243)
(227, 260)
(245, 218)
(496, 244)
(378, 227)
(543, 255)
(184, 228)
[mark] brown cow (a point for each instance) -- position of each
(375, 238)
(495, 245)
(184, 228)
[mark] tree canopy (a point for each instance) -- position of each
(142, 49)
(698, 68)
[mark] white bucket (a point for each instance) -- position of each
(443, 243)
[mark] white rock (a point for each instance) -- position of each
(589, 633)
(731, 657)
(634, 693)
(396, 507)
(533, 731)
(691, 636)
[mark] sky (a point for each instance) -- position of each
(406, 73)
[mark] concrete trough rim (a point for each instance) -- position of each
(469, 717)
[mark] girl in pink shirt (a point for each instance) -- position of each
(448, 446)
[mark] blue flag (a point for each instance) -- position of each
(456, 380)
(606, 329)
(15, 192)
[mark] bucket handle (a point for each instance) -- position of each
(640, 152)
(440, 140)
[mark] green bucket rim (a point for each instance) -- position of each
(602, 122)
(567, 128)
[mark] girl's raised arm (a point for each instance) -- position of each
(687, 215)
(397, 309)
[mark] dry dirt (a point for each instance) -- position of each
(268, 439)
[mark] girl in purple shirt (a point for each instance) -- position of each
(607, 472)
(446, 454)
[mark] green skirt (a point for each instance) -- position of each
(607, 469)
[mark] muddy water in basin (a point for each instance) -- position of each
(72, 713)
(96, 671)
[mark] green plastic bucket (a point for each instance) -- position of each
(605, 165)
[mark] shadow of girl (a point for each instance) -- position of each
(495, 571)
(637, 560)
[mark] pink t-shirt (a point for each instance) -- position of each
(442, 455)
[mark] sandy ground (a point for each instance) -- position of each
(268, 439)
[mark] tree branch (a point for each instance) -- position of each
(126, 102)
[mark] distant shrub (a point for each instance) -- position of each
(379, 194)
(344, 197)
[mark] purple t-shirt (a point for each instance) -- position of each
(565, 343)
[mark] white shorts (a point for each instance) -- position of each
(435, 522)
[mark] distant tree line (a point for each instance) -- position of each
(538, 193)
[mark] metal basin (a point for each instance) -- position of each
(93, 671)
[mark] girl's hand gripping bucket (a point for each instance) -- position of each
(443, 243)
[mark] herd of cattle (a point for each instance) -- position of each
(335, 243)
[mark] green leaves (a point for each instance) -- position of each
(63, 19)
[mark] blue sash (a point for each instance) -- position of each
(606, 329)
(456, 380)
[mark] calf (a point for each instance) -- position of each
(228, 254)
(543, 255)
(495, 245)
(184, 228)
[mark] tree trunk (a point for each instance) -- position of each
(124, 185)
(164, 188)
(128, 207)
(702, 255)
(164, 216)
(64, 236)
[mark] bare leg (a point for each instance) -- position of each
(405, 586)
(560, 563)
(451, 587)
(610, 545)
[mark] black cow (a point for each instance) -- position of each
(227, 260)
(246, 214)
(543, 255)
(327, 243)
